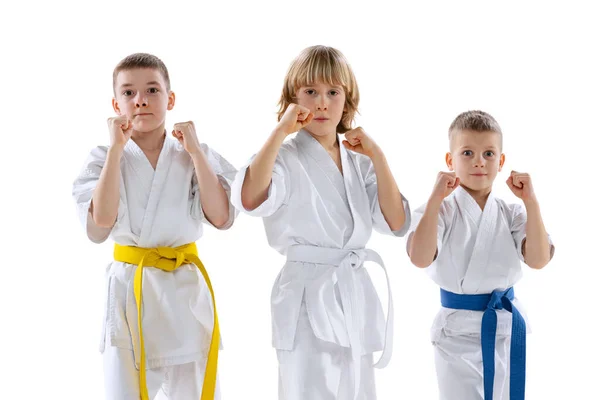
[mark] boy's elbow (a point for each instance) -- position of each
(250, 202)
(397, 224)
(418, 260)
(221, 221)
(419, 263)
(538, 264)
(415, 257)
(540, 260)
(104, 222)
(247, 203)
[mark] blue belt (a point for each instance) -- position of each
(489, 303)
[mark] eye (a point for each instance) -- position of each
(153, 90)
(467, 153)
(334, 92)
(489, 154)
(127, 93)
(310, 92)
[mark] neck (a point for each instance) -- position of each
(150, 141)
(329, 141)
(480, 196)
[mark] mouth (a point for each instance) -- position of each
(320, 119)
(479, 175)
(142, 114)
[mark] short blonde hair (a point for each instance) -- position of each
(476, 121)
(321, 64)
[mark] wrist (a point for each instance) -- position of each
(279, 133)
(435, 201)
(116, 150)
(531, 202)
(376, 153)
(196, 151)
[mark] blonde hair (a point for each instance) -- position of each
(321, 64)
(476, 121)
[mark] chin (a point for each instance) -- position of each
(322, 131)
(477, 187)
(145, 127)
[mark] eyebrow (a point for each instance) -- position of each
(148, 84)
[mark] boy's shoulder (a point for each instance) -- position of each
(290, 144)
(97, 153)
(288, 150)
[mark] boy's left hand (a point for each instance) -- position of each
(185, 133)
(357, 140)
(520, 184)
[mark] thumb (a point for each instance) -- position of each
(308, 119)
(456, 183)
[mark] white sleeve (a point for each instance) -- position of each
(518, 225)
(226, 174)
(83, 190)
(379, 222)
(276, 197)
(441, 225)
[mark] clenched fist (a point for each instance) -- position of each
(520, 184)
(185, 133)
(295, 118)
(120, 129)
(445, 184)
(357, 140)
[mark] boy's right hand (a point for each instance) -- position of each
(445, 184)
(120, 128)
(295, 118)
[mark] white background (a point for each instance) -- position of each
(533, 66)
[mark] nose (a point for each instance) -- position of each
(322, 103)
(478, 161)
(141, 101)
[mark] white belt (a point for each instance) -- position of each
(347, 261)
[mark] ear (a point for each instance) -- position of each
(449, 161)
(171, 101)
(502, 159)
(115, 105)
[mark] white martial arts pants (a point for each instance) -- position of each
(319, 370)
(177, 382)
(459, 367)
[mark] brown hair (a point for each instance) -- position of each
(477, 121)
(142, 60)
(325, 64)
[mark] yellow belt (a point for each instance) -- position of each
(169, 259)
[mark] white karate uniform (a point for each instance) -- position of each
(156, 208)
(479, 251)
(311, 204)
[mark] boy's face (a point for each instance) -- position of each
(142, 96)
(476, 158)
(326, 102)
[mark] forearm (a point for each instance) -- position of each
(256, 184)
(213, 198)
(536, 251)
(105, 200)
(390, 199)
(423, 243)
